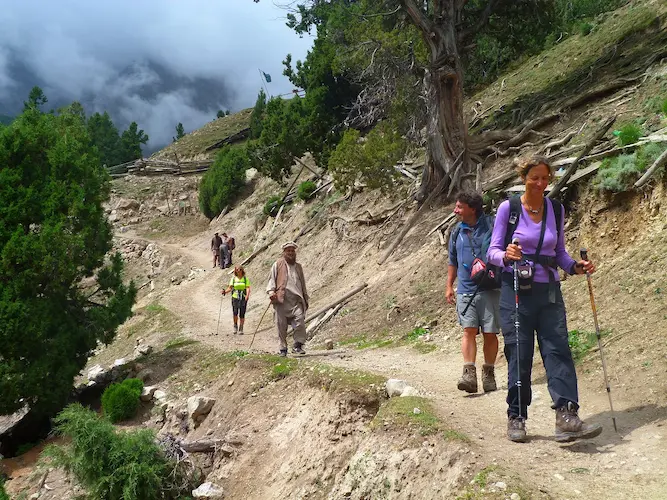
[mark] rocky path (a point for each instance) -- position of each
(631, 464)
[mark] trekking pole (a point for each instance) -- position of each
(222, 297)
(515, 266)
(260, 322)
(584, 256)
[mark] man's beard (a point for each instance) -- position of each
(290, 259)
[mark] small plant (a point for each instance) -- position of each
(179, 342)
(663, 108)
(272, 205)
(411, 411)
(629, 134)
(121, 401)
(115, 465)
(453, 435)
(584, 28)
(390, 302)
(582, 342)
(282, 369)
(3, 493)
(305, 190)
(416, 333)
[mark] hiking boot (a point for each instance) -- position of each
(283, 353)
(570, 427)
(297, 349)
(516, 429)
(240, 331)
(468, 382)
(236, 329)
(489, 378)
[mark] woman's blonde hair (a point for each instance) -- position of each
(239, 268)
(525, 164)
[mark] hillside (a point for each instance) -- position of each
(322, 426)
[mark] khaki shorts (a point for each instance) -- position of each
(483, 312)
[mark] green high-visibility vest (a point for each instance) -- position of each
(239, 286)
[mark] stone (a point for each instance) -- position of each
(144, 349)
(97, 374)
(328, 344)
(145, 374)
(500, 485)
(416, 411)
(559, 477)
(199, 406)
(207, 490)
(147, 392)
(515, 496)
(160, 396)
(128, 204)
(395, 387)
(409, 391)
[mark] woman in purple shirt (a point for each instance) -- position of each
(541, 306)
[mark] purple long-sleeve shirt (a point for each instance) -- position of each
(528, 233)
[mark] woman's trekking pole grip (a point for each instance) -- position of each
(584, 256)
(515, 267)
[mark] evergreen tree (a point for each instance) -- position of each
(104, 135)
(180, 131)
(59, 292)
(130, 143)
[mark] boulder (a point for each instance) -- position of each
(147, 392)
(143, 350)
(328, 344)
(409, 391)
(395, 387)
(97, 374)
(145, 374)
(160, 396)
(199, 406)
(128, 204)
(207, 490)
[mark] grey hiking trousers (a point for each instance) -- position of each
(290, 312)
(537, 314)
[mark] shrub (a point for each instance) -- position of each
(620, 173)
(305, 190)
(663, 108)
(221, 184)
(629, 134)
(121, 401)
(371, 161)
(115, 465)
(3, 493)
(272, 205)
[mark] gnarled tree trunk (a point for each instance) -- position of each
(447, 131)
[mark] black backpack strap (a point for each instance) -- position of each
(513, 221)
(558, 214)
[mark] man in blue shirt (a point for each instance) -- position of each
(482, 308)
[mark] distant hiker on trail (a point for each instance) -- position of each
(224, 252)
(476, 303)
(535, 224)
(215, 249)
(231, 245)
(289, 296)
(239, 285)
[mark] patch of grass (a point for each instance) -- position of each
(363, 341)
(581, 342)
(454, 435)
(179, 342)
(663, 107)
(283, 368)
(628, 134)
(424, 348)
(155, 308)
(400, 412)
(390, 301)
(336, 379)
(416, 333)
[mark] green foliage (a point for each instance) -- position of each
(121, 401)
(582, 342)
(629, 134)
(416, 333)
(257, 116)
(220, 114)
(179, 342)
(222, 183)
(36, 99)
(130, 143)
(104, 134)
(113, 465)
(272, 205)
(371, 161)
(584, 28)
(283, 368)
(53, 234)
(180, 131)
(663, 107)
(305, 190)
(3, 493)
(620, 173)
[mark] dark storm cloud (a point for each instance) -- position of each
(156, 62)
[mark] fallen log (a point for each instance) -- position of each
(349, 294)
(310, 333)
(442, 223)
(257, 252)
(591, 143)
(660, 162)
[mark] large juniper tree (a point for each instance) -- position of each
(60, 293)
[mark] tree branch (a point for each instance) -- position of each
(482, 21)
(418, 17)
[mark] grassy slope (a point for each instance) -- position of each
(193, 145)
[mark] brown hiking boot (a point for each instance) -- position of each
(468, 381)
(570, 427)
(488, 378)
(516, 429)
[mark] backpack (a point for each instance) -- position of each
(515, 213)
(231, 243)
(486, 276)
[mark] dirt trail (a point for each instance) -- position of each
(631, 464)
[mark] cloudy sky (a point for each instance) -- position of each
(156, 62)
